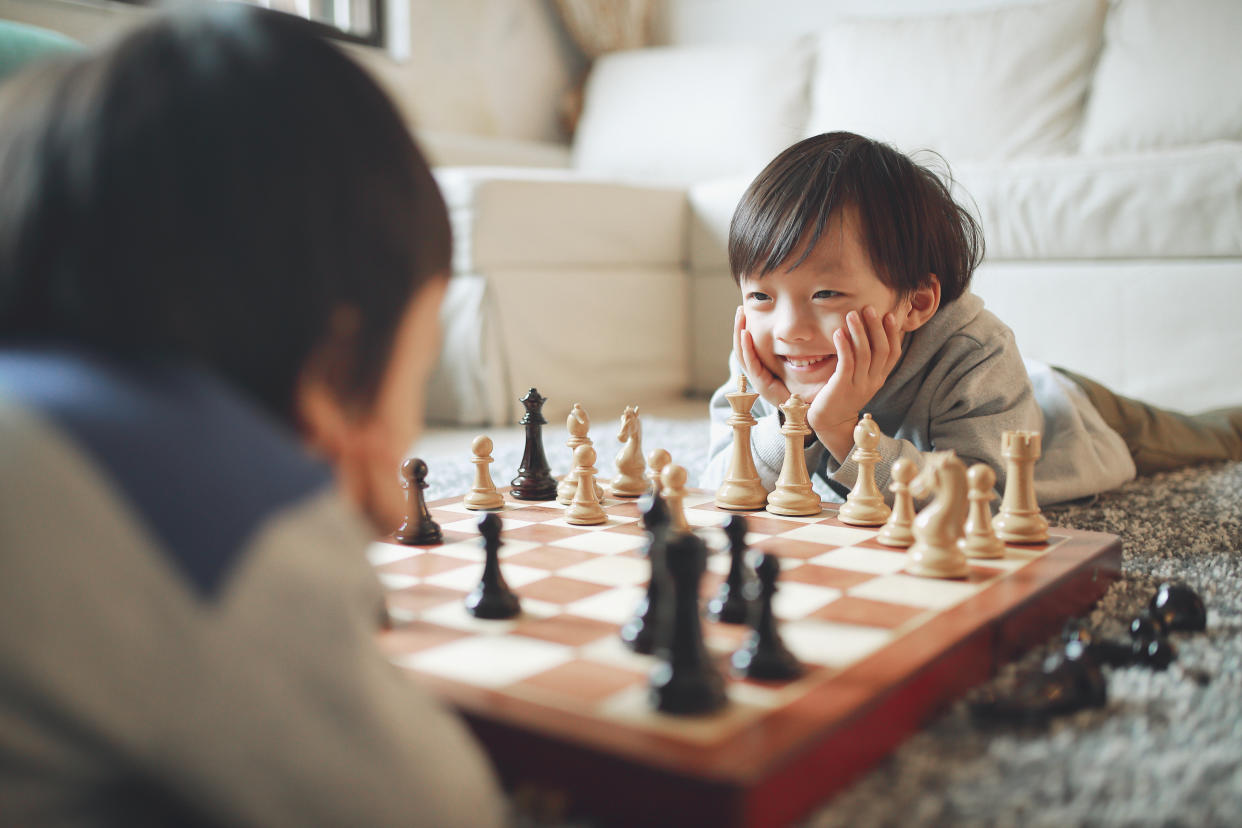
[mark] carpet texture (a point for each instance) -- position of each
(1167, 747)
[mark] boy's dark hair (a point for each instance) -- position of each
(224, 186)
(911, 225)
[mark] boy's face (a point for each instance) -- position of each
(792, 314)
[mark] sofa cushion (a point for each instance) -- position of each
(1174, 203)
(1001, 83)
(518, 217)
(678, 115)
(1170, 74)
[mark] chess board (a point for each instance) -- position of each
(562, 705)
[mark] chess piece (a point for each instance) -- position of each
(1019, 520)
(898, 530)
(577, 424)
(484, 494)
(630, 481)
(585, 509)
(685, 681)
(534, 480)
(673, 490)
(639, 633)
(980, 540)
(418, 529)
(492, 598)
(938, 528)
(794, 494)
(864, 506)
(1179, 608)
(741, 489)
(1065, 684)
(764, 655)
(656, 462)
(729, 604)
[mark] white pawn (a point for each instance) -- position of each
(864, 506)
(674, 485)
(656, 462)
(585, 509)
(898, 530)
(981, 540)
(484, 494)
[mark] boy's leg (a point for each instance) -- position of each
(1160, 439)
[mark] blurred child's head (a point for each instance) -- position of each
(228, 188)
(836, 223)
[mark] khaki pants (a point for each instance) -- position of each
(1159, 439)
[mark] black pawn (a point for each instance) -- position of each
(534, 480)
(492, 598)
(1179, 608)
(418, 529)
(764, 655)
(685, 681)
(639, 633)
(729, 604)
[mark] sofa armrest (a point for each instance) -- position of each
(522, 217)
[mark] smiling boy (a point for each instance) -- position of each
(854, 264)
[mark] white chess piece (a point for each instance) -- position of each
(577, 424)
(630, 481)
(741, 489)
(656, 462)
(1020, 520)
(898, 531)
(864, 506)
(938, 528)
(585, 509)
(794, 494)
(484, 494)
(981, 540)
(673, 479)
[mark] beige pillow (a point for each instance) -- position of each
(983, 85)
(678, 115)
(1170, 75)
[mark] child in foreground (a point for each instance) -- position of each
(221, 263)
(854, 265)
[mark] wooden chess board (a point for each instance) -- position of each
(562, 704)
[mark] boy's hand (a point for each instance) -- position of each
(868, 347)
(769, 386)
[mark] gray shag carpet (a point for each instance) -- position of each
(1165, 750)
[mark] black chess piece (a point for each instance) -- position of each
(534, 480)
(1149, 645)
(729, 603)
(418, 528)
(685, 681)
(764, 655)
(639, 633)
(1081, 643)
(1179, 608)
(492, 598)
(1065, 684)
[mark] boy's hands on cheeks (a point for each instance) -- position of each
(868, 347)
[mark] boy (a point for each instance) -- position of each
(854, 264)
(221, 262)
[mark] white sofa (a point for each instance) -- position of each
(1100, 145)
